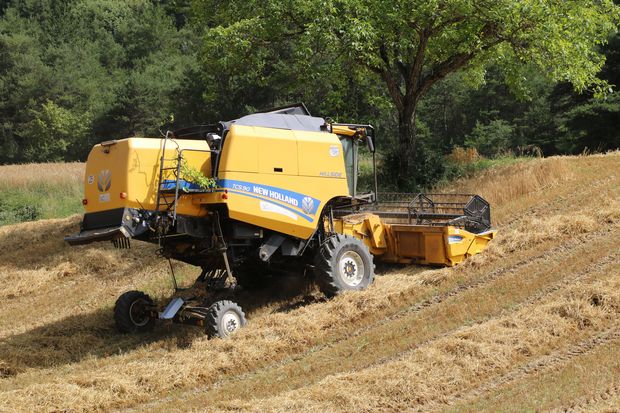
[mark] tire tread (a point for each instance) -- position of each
(324, 267)
(121, 312)
(216, 310)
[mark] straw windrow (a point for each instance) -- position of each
(535, 303)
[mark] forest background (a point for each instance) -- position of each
(76, 72)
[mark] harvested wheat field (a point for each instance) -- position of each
(531, 324)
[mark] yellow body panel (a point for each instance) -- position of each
(285, 184)
(277, 152)
(277, 179)
(407, 243)
(131, 166)
(282, 152)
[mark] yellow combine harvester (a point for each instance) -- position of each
(281, 198)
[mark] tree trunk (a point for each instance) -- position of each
(406, 148)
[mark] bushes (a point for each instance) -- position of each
(428, 167)
(466, 162)
(39, 202)
(12, 213)
(40, 191)
(491, 139)
(75, 73)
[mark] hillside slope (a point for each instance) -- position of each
(531, 324)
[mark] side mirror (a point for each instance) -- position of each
(370, 143)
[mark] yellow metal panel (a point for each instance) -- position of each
(291, 205)
(281, 201)
(277, 151)
(434, 250)
(240, 152)
(409, 244)
(106, 177)
(366, 227)
(377, 231)
(131, 166)
(405, 243)
(481, 242)
(320, 154)
(261, 150)
(457, 242)
(343, 130)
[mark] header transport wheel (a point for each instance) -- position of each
(132, 312)
(343, 263)
(223, 319)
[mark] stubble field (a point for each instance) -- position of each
(531, 324)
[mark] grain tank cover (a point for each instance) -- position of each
(282, 121)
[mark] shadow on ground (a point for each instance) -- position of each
(75, 338)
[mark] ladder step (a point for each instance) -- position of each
(168, 168)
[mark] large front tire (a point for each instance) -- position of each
(132, 312)
(343, 263)
(223, 319)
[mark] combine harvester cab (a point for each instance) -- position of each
(268, 194)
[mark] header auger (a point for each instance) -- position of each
(284, 201)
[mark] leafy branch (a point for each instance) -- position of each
(195, 176)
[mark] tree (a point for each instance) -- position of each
(491, 139)
(259, 54)
(76, 72)
(585, 122)
(413, 44)
(454, 106)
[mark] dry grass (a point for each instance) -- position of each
(587, 382)
(464, 156)
(505, 186)
(34, 173)
(432, 373)
(420, 338)
(40, 191)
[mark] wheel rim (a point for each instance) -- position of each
(351, 268)
(137, 314)
(230, 322)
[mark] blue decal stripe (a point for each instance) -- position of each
(183, 184)
(306, 217)
(304, 202)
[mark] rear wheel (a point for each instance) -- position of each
(132, 312)
(343, 263)
(223, 319)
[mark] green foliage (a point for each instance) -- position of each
(428, 74)
(10, 214)
(591, 126)
(491, 139)
(53, 129)
(585, 121)
(408, 46)
(39, 201)
(78, 72)
(195, 176)
(424, 169)
(365, 182)
(455, 170)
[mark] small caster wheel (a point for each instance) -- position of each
(132, 312)
(223, 319)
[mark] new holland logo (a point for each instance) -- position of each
(307, 205)
(104, 180)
